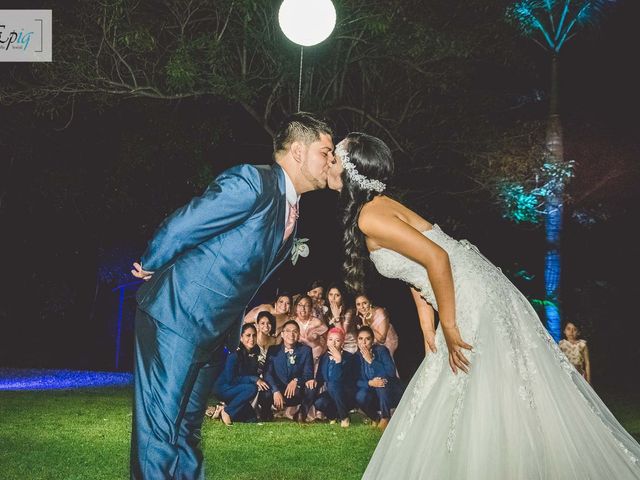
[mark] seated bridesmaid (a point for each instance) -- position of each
(281, 309)
(312, 330)
(239, 382)
(337, 370)
(338, 315)
(290, 373)
(378, 387)
(266, 326)
(377, 319)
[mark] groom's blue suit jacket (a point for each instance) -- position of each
(211, 256)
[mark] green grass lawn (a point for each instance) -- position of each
(84, 434)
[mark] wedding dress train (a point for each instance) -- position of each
(522, 412)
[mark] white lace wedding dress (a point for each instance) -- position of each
(522, 412)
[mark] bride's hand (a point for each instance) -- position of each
(429, 341)
(455, 344)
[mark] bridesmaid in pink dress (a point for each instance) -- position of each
(339, 315)
(377, 319)
(313, 331)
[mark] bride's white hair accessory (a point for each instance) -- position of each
(353, 174)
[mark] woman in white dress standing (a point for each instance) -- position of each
(508, 404)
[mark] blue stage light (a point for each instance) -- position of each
(38, 379)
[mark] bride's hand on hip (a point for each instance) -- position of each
(455, 344)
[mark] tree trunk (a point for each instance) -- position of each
(553, 213)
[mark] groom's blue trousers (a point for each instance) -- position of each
(172, 380)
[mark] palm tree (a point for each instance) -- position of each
(551, 24)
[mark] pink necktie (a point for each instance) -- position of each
(291, 220)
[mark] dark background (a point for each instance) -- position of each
(73, 217)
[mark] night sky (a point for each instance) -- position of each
(61, 260)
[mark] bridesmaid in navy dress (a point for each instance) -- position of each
(240, 380)
(378, 387)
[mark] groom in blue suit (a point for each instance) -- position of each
(203, 266)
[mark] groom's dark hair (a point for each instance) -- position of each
(299, 127)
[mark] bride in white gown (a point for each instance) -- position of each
(521, 411)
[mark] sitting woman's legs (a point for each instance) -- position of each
(238, 401)
(389, 397)
(326, 405)
(366, 400)
(340, 399)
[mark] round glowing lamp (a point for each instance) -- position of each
(307, 22)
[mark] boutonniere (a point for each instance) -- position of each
(300, 249)
(292, 358)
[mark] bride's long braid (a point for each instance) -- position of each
(372, 158)
(356, 255)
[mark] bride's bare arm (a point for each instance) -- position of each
(426, 316)
(389, 231)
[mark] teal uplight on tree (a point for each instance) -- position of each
(551, 24)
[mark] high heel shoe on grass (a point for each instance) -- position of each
(226, 419)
